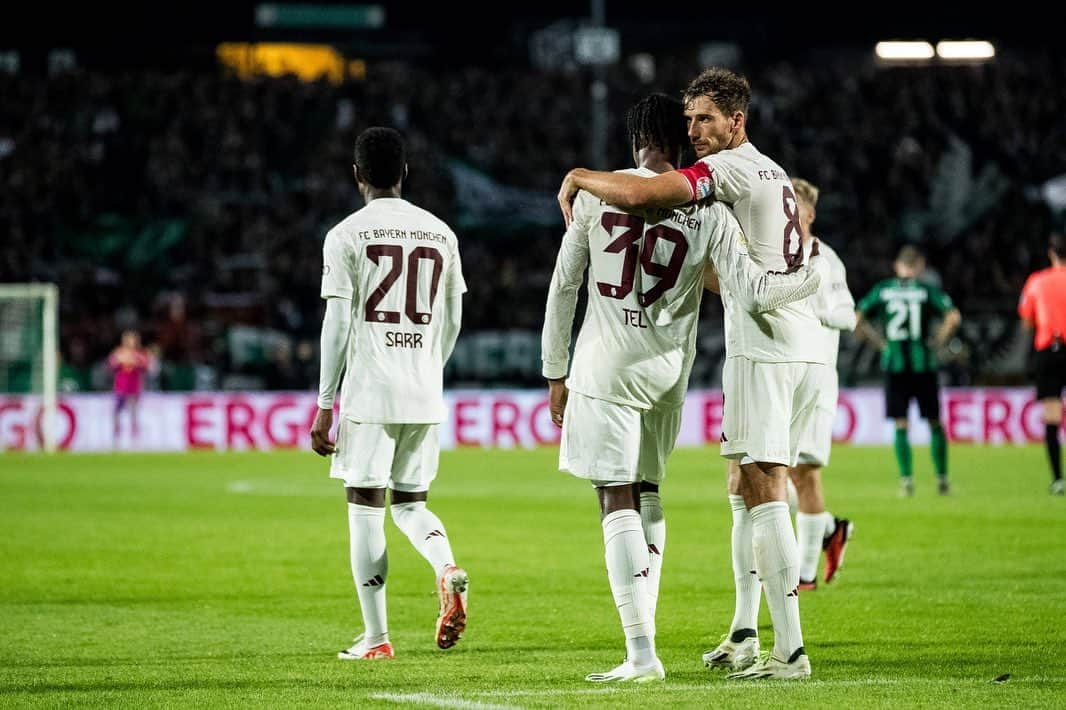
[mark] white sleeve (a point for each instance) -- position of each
(570, 268)
(336, 267)
(455, 284)
(756, 291)
(729, 180)
(835, 306)
(336, 327)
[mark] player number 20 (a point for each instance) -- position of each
(394, 253)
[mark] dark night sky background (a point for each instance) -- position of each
(160, 33)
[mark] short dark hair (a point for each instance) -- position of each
(379, 157)
(657, 121)
(910, 255)
(729, 91)
(1057, 244)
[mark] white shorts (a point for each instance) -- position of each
(816, 429)
(401, 456)
(766, 405)
(612, 443)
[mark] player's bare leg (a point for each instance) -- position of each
(426, 532)
(626, 553)
(370, 565)
(777, 562)
(740, 647)
(1052, 411)
(903, 458)
(816, 528)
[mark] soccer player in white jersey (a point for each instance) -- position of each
(816, 528)
(769, 392)
(393, 286)
(633, 357)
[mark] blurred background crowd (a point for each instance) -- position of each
(190, 203)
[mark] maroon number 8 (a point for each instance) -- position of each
(793, 259)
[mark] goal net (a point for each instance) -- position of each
(29, 348)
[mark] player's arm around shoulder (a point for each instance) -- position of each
(626, 191)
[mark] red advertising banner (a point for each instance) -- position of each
(483, 418)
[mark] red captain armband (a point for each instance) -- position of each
(700, 178)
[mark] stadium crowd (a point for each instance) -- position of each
(192, 205)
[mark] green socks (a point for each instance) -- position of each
(938, 443)
(903, 452)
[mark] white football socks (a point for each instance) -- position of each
(654, 524)
(777, 560)
(748, 589)
(426, 532)
(811, 530)
(370, 567)
(626, 553)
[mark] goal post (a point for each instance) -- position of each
(29, 348)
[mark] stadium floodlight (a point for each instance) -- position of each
(904, 51)
(29, 348)
(969, 50)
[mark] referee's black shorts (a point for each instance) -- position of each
(1050, 372)
(902, 387)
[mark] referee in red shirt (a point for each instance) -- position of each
(1043, 308)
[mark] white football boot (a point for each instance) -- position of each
(629, 673)
(769, 667)
(734, 655)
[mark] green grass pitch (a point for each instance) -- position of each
(222, 580)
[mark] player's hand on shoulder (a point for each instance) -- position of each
(320, 442)
(567, 192)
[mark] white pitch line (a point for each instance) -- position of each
(747, 685)
(274, 489)
(439, 701)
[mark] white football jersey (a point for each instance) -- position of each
(761, 196)
(645, 284)
(398, 264)
(832, 298)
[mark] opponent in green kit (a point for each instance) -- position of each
(907, 308)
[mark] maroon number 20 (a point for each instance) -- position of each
(627, 242)
(394, 252)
